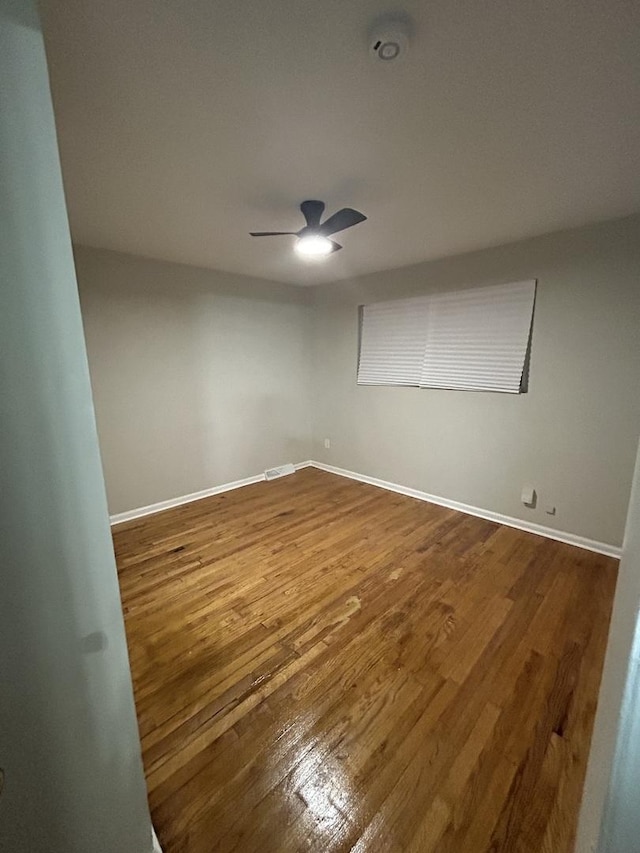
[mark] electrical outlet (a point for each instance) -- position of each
(327, 444)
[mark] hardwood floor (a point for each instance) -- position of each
(322, 665)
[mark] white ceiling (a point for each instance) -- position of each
(184, 125)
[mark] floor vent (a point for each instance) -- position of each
(281, 471)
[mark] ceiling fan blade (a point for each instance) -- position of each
(312, 211)
(335, 246)
(344, 218)
(270, 233)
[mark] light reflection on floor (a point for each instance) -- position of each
(325, 788)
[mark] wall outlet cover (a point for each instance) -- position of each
(528, 496)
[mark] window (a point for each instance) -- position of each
(472, 340)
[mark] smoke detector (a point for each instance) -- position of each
(389, 40)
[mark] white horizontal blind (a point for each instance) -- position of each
(477, 340)
(474, 340)
(392, 342)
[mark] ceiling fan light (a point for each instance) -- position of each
(313, 246)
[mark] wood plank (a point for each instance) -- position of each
(321, 665)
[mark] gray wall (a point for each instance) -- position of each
(199, 377)
(617, 727)
(69, 746)
(573, 436)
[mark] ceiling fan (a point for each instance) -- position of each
(313, 239)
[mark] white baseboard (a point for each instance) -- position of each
(488, 515)
(140, 512)
(156, 844)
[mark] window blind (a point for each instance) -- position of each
(468, 340)
(392, 339)
(477, 340)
